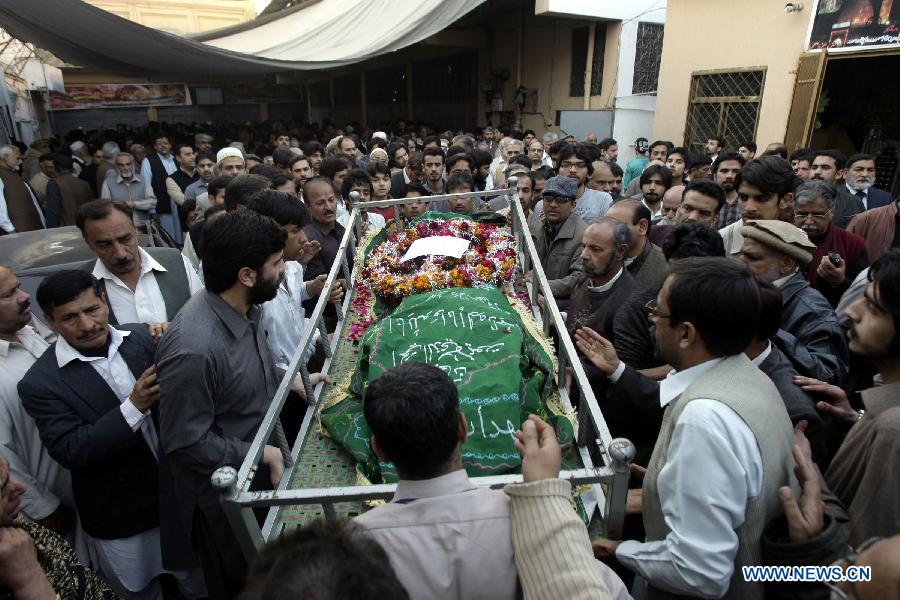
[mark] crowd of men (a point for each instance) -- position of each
(737, 316)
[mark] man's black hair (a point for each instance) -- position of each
(481, 157)
(696, 159)
(615, 168)
(283, 207)
(719, 140)
(179, 147)
(777, 150)
(457, 180)
(455, 158)
(605, 143)
(282, 157)
(413, 413)
(681, 150)
(63, 162)
(522, 160)
(664, 173)
(692, 239)
(239, 238)
(205, 155)
(333, 165)
(557, 146)
(64, 286)
(803, 154)
(97, 210)
(378, 166)
(216, 184)
(432, 151)
(582, 152)
(751, 146)
(429, 139)
(885, 272)
(720, 297)
(669, 145)
(242, 187)
(840, 159)
(706, 187)
(297, 158)
(356, 177)
(527, 131)
(311, 147)
(415, 186)
(854, 158)
(45, 157)
(724, 156)
(325, 559)
(769, 174)
(392, 150)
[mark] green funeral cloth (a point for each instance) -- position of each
(474, 335)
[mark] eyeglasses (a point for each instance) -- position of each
(802, 216)
(556, 200)
(568, 165)
(652, 308)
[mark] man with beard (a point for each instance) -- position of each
(216, 380)
(603, 284)
(141, 286)
(20, 210)
(862, 474)
(840, 255)
(301, 171)
(714, 145)
(92, 395)
(655, 180)
(765, 190)
(725, 170)
(125, 186)
(644, 260)
(810, 335)
(857, 194)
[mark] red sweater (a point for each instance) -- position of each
(851, 247)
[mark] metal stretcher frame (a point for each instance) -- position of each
(605, 460)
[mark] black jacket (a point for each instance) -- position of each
(114, 472)
(810, 335)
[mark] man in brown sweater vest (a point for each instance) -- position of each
(65, 193)
(20, 210)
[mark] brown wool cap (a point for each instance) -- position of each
(783, 237)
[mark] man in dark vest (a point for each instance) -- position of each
(186, 174)
(725, 447)
(65, 193)
(141, 286)
(19, 208)
(156, 168)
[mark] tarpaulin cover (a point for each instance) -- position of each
(324, 34)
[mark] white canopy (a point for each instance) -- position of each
(319, 35)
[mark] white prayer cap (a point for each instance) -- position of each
(228, 152)
(76, 146)
(380, 134)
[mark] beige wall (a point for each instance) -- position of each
(546, 64)
(725, 34)
(181, 16)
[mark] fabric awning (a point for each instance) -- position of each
(321, 35)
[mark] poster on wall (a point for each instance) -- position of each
(118, 95)
(854, 24)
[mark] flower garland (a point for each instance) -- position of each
(490, 259)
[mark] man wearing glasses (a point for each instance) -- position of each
(840, 255)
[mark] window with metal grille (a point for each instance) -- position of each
(724, 103)
(646, 58)
(579, 60)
